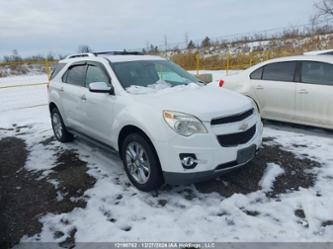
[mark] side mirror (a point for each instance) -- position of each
(100, 87)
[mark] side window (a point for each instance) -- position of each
(76, 75)
(317, 73)
(257, 74)
(56, 69)
(280, 71)
(96, 74)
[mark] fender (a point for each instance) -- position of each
(135, 117)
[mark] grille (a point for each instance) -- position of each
(235, 139)
(233, 118)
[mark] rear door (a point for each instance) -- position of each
(72, 91)
(314, 93)
(276, 90)
(98, 106)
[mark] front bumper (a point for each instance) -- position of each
(174, 178)
(210, 154)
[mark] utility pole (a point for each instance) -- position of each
(166, 43)
(186, 40)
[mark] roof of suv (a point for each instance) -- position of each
(111, 57)
(122, 58)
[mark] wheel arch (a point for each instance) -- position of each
(52, 105)
(255, 101)
(158, 180)
(130, 129)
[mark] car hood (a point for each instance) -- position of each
(204, 102)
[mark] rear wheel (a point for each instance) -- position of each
(141, 162)
(59, 129)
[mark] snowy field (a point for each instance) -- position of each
(217, 74)
(116, 211)
(23, 80)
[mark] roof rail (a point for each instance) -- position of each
(71, 56)
(118, 53)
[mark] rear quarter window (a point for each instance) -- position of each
(56, 69)
(317, 73)
(257, 74)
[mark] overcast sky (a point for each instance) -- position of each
(60, 26)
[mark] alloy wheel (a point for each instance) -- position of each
(57, 125)
(137, 162)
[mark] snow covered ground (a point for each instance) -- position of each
(23, 80)
(116, 211)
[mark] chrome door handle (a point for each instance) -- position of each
(61, 89)
(83, 98)
(303, 91)
(259, 87)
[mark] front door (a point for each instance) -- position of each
(98, 106)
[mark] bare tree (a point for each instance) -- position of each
(15, 56)
(206, 42)
(324, 10)
(50, 56)
(190, 45)
(84, 49)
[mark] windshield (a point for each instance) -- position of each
(146, 73)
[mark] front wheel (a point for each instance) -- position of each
(59, 129)
(141, 162)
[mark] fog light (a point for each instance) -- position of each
(188, 160)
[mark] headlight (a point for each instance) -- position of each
(184, 124)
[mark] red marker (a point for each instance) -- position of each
(221, 83)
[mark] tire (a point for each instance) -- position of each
(143, 169)
(59, 129)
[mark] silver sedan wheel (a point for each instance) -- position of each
(57, 125)
(137, 162)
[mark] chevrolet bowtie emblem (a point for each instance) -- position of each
(243, 127)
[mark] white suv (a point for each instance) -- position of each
(167, 126)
